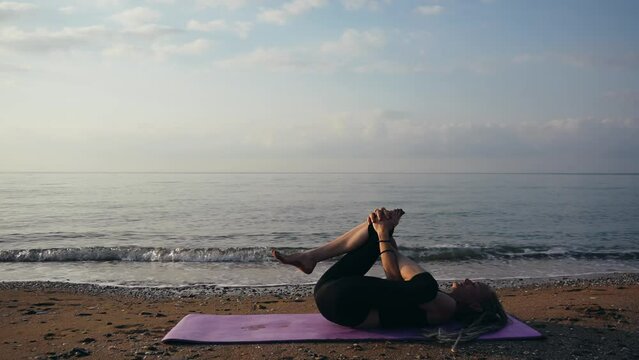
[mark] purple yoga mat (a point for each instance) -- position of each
(200, 328)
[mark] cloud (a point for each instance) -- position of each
(74, 38)
(158, 50)
(359, 134)
(627, 61)
(526, 58)
(372, 5)
(141, 22)
(150, 30)
(387, 67)
(229, 4)
(239, 28)
(107, 3)
(67, 10)
(10, 9)
(11, 68)
(272, 59)
(50, 40)
(294, 8)
(355, 43)
(194, 47)
(625, 96)
(429, 10)
(618, 61)
(349, 51)
(136, 17)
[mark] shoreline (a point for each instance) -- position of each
(581, 318)
(160, 292)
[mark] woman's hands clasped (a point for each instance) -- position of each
(384, 221)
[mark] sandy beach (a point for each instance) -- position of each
(581, 318)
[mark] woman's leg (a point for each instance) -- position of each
(344, 243)
(345, 296)
(356, 262)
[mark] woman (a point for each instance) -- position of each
(408, 297)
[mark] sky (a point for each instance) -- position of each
(319, 85)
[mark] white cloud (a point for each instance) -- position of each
(355, 43)
(623, 61)
(107, 3)
(213, 25)
(141, 21)
(387, 67)
(136, 16)
(93, 38)
(50, 40)
(12, 8)
(67, 10)
(273, 59)
(15, 6)
(358, 134)
(11, 68)
(372, 5)
(429, 9)
(626, 95)
(526, 58)
(229, 4)
(350, 52)
(150, 30)
(194, 47)
(294, 8)
(239, 28)
(157, 50)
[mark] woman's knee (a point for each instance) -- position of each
(339, 305)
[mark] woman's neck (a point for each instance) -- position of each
(441, 309)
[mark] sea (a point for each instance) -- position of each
(182, 229)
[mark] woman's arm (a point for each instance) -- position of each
(397, 266)
(408, 267)
(389, 256)
(388, 252)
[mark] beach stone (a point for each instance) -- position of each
(80, 352)
(88, 340)
(44, 304)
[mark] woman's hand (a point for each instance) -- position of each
(384, 221)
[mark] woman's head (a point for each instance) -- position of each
(478, 308)
(472, 298)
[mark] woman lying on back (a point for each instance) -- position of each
(408, 297)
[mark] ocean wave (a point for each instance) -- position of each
(263, 254)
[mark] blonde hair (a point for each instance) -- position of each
(490, 319)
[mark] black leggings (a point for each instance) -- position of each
(345, 296)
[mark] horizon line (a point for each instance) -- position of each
(332, 172)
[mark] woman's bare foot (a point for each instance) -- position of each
(394, 216)
(299, 260)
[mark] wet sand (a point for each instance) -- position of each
(589, 318)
